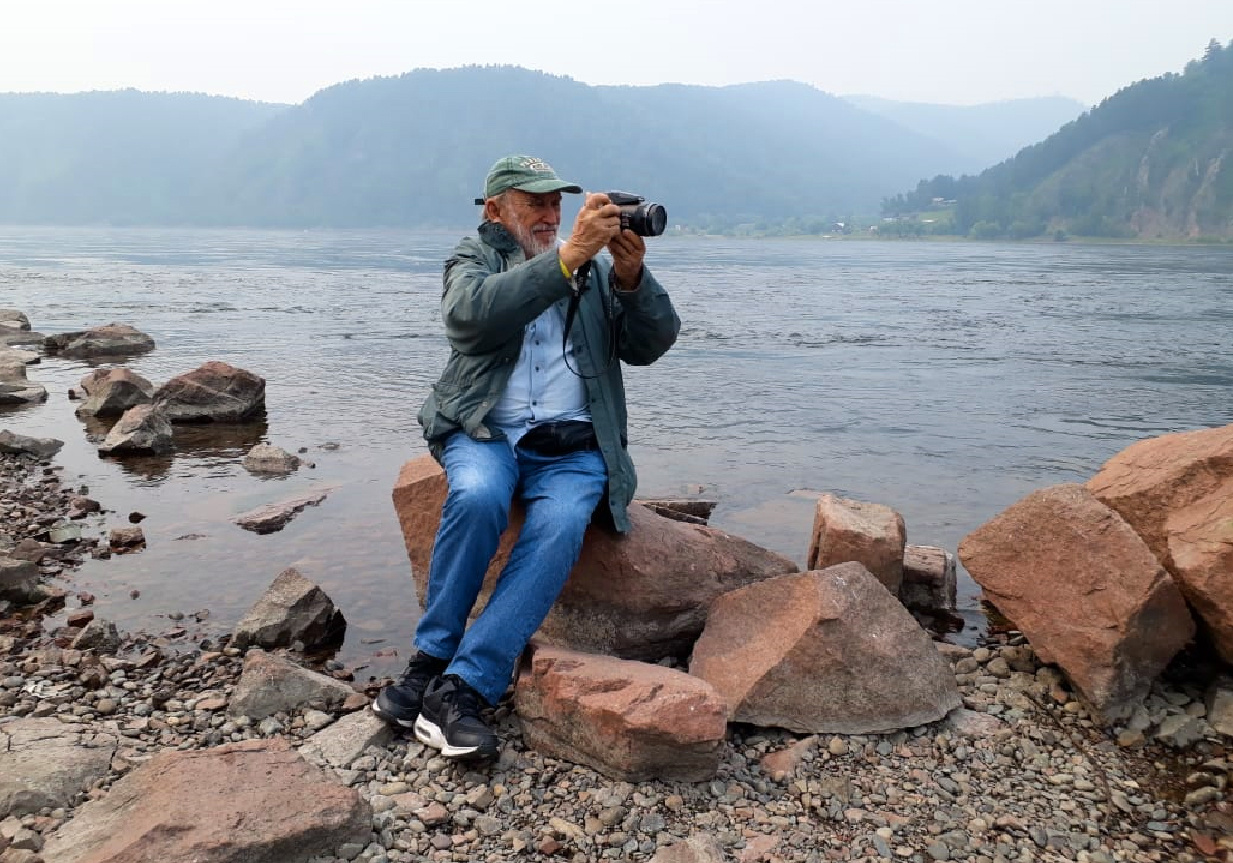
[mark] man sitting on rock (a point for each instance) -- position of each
(531, 405)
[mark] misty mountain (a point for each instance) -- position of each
(1154, 160)
(982, 135)
(412, 150)
(115, 157)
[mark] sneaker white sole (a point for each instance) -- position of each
(402, 722)
(429, 733)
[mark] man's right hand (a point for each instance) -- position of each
(598, 222)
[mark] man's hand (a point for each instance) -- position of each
(598, 222)
(628, 250)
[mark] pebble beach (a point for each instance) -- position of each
(1021, 773)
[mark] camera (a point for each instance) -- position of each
(645, 220)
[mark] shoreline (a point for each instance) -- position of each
(1020, 773)
(453, 233)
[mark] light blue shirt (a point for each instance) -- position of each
(541, 387)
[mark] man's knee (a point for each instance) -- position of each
(478, 492)
(563, 517)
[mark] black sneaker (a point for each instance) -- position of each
(399, 703)
(450, 720)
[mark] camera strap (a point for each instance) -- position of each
(579, 283)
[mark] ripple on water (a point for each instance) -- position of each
(946, 380)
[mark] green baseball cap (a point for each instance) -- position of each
(526, 173)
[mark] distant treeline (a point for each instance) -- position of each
(1155, 160)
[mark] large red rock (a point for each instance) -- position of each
(1176, 491)
(253, 802)
(871, 534)
(215, 392)
(639, 596)
(830, 651)
(1201, 558)
(1149, 480)
(629, 720)
(1086, 591)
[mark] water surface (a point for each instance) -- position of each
(945, 380)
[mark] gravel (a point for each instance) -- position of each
(1045, 783)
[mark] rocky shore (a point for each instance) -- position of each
(1020, 773)
(174, 745)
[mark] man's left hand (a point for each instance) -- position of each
(628, 250)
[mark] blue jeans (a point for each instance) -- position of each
(559, 494)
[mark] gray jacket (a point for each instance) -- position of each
(491, 292)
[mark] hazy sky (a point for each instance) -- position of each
(952, 51)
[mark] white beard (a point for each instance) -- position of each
(532, 245)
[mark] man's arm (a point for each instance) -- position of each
(649, 323)
(483, 310)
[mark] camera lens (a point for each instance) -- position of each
(656, 220)
(648, 220)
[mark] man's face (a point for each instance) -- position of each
(533, 219)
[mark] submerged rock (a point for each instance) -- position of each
(275, 516)
(214, 392)
(114, 392)
(39, 447)
(266, 458)
(108, 340)
(143, 430)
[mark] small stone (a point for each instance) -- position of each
(1200, 796)
(837, 746)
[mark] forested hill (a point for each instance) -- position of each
(412, 150)
(1155, 160)
(115, 157)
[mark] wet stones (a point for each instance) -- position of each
(275, 516)
(17, 444)
(114, 392)
(268, 459)
(292, 609)
(109, 340)
(142, 430)
(214, 392)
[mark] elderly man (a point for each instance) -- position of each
(531, 405)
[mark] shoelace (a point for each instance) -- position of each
(464, 699)
(418, 672)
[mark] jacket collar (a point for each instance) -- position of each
(494, 234)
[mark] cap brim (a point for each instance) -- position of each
(540, 187)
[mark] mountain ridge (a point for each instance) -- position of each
(412, 149)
